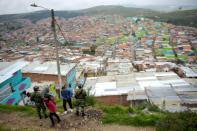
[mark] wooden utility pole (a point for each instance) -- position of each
(56, 48)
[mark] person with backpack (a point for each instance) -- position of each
(37, 98)
(52, 109)
(67, 94)
(80, 96)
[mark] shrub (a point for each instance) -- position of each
(120, 115)
(153, 108)
(130, 110)
(90, 100)
(183, 121)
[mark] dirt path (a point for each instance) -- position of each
(18, 121)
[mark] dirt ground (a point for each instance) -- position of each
(70, 122)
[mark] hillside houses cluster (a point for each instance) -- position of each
(127, 60)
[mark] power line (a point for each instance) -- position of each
(60, 30)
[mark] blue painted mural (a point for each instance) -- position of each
(12, 88)
(71, 78)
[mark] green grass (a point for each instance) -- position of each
(159, 52)
(169, 56)
(183, 57)
(29, 111)
(166, 49)
(4, 129)
(145, 114)
(184, 121)
(125, 115)
(141, 119)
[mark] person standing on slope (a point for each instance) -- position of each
(80, 96)
(38, 99)
(67, 94)
(52, 109)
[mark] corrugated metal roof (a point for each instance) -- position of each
(8, 71)
(188, 72)
(47, 68)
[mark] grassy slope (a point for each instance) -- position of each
(143, 115)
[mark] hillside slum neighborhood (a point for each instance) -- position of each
(125, 60)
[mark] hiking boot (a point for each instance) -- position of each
(65, 112)
(45, 116)
(40, 117)
(52, 126)
(70, 110)
(59, 121)
(77, 113)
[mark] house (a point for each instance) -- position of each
(186, 72)
(164, 66)
(109, 93)
(12, 83)
(47, 71)
(136, 97)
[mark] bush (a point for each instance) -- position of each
(153, 108)
(90, 100)
(117, 109)
(137, 120)
(184, 121)
(141, 106)
(130, 110)
(121, 115)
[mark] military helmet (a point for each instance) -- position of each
(36, 88)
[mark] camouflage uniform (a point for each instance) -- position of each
(38, 99)
(80, 100)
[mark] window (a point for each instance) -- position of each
(5, 91)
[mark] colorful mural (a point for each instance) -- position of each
(71, 78)
(12, 88)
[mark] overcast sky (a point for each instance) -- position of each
(22, 6)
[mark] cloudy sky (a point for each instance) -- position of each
(22, 6)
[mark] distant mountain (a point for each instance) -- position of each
(166, 8)
(181, 17)
(38, 15)
(119, 10)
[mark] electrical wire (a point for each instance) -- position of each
(60, 30)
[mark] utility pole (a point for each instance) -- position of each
(56, 48)
(56, 42)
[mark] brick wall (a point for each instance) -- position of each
(43, 77)
(114, 99)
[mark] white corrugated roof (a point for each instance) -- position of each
(109, 88)
(47, 68)
(164, 74)
(146, 78)
(7, 72)
(189, 72)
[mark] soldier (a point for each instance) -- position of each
(38, 99)
(80, 96)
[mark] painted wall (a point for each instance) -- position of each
(19, 85)
(71, 78)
